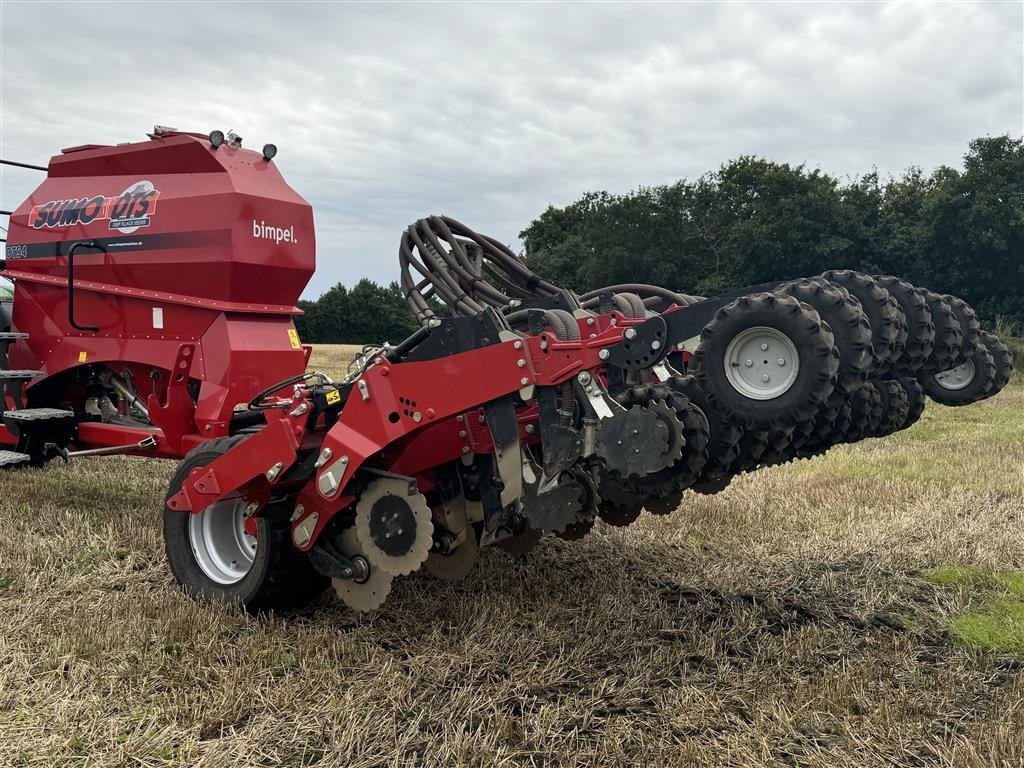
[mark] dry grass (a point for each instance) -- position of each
(792, 620)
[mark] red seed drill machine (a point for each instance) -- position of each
(154, 285)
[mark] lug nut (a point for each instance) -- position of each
(764, 345)
(630, 333)
(603, 354)
(766, 378)
(782, 361)
(750, 363)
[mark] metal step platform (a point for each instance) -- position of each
(37, 415)
(14, 460)
(8, 376)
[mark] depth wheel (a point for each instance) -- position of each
(965, 383)
(883, 312)
(767, 360)
(849, 325)
(214, 558)
(1003, 359)
(919, 325)
(948, 336)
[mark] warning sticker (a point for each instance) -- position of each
(333, 397)
(83, 357)
(293, 337)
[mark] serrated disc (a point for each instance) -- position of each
(414, 556)
(459, 562)
(557, 509)
(372, 593)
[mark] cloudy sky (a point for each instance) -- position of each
(384, 113)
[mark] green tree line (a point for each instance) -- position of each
(754, 220)
(365, 313)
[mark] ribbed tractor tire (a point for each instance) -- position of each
(780, 447)
(836, 416)
(281, 577)
(919, 326)
(825, 422)
(752, 446)
(970, 326)
(883, 313)
(685, 471)
(788, 324)
(948, 336)
(723, 434)
(866, 412)
(850, 327)
(915, 400)
(966, 383)
(1003, 359)
(895, 407)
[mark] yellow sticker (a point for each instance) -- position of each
(333, 397)
(293, 337)
(83, 357)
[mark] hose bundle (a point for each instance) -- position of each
(445, 260)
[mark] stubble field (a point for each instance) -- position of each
(862, 609)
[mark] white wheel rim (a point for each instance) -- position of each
(761, 363)
(222, 548)
(956, 378)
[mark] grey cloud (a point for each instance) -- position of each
(384, 113)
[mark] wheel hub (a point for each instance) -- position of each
(761, 363)
(956, 378)
(223, 549)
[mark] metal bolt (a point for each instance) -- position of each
(462, 433)
(465, 449)
(517, 345)
(521, 363)
(749, 363)
(655, 344)
(417, 417)
(630, 333)
(782, 361)
(590, 321)
(530, 429)
(481, 419)
(584, 377)
(764, 345)
(766, 378)
(524, 381)
(604, 354)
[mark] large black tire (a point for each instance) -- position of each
(882, 311)
(948, 336)
(752, 446)
(966, 383)
(919, 325)
(866, 412)
(850, 327)
(915, 400)
(723, 433)
(1003, 359)
(781, 314)
(970, 326)
(895, 407)
(281, 577)
(685, 471)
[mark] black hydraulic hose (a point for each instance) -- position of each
(24, 165)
